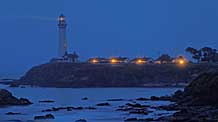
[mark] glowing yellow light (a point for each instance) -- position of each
(158, 62)
(181, 62)
(113, 60)
(140, 61)
(94, 61)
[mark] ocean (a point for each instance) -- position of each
(65, 97)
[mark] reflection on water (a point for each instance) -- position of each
(64, 97)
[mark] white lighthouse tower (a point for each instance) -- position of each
(63, 55)
(62, 25)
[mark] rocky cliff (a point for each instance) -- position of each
(198, 102)
(201, 91)
(106, 75)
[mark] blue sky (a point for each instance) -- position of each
(29, 35)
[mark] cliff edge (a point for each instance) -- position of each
(107, 75)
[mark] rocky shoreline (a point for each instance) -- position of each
(198, 102)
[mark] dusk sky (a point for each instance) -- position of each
(29, 33)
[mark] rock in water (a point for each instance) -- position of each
(6, 98)
(103, 104)
(46, 101)
(131, 119)
(12, 113)
(47, 116)
(85, 98)
(81, 120)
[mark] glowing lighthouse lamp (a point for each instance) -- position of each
(61, 18)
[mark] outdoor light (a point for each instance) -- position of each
(94, 61)
(181, 62)
(140, 61)
(113, 60)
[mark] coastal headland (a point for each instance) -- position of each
(112, 75)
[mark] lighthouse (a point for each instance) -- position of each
(62, 25)
(63, 55)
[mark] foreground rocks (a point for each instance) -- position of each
(155, 98)
(135, 108)
(193, 114)
(69, 108)
(198, 102)
(6, 98)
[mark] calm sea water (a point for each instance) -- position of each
(64, 97)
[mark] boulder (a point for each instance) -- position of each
(85, 98)
(46, 101)
(131, 119)
(47, 116)
(137, 105)
(142, 99)
(12, 113)
(6, 98)
(154, 98)
(81, 120)
(103, 104)
(91, 108)
(14, 85)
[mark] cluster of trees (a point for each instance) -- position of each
(165, 57)
(205, 54)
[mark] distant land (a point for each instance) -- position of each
(112, 75)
